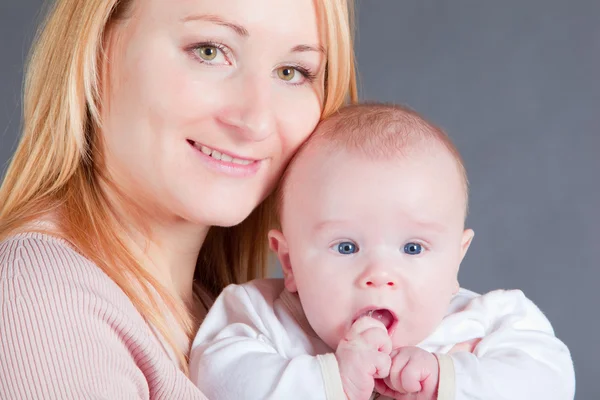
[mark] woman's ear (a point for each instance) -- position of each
(279, 246)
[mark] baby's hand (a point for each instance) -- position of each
(363, 355)
(414, 375)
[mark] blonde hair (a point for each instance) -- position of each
(376, 131)
(56, 167)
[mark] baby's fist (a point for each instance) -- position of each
(363, 356)
(414, 371)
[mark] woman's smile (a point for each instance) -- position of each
(226, 162)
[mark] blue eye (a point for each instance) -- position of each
(413, 249)
(346, 248)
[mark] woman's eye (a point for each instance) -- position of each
(294, 75)
(346, 248)
(286, 73)
(413, 249)
(211, 54)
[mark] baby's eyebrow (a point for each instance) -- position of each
(431, 226)
(328, 224)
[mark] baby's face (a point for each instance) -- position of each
(384, 236)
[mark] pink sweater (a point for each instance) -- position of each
(67, 331)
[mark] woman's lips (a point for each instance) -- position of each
(220, 155)
(226, 163)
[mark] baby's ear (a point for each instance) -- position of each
(279, 246)
(467, 238)
(465, 242)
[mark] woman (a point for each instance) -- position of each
(153, 134)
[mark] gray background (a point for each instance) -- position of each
(516, 85)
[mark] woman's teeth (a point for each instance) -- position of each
(220, 156)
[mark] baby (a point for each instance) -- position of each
(372, 212)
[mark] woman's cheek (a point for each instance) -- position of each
(301, 118)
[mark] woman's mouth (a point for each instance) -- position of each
(384, 315)
(219, 156)
(224, 162)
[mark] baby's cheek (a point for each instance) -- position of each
(333, 330)
(433, 318)
(319, 318)
(422, 324)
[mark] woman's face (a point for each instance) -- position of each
(206, 101)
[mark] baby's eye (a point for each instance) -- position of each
(345, 248)
(413, 249)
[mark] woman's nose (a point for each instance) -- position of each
(250, 112)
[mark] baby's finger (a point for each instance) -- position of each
(411, 377)
(399, 362)
(364, 323)
(384, 390)
(383, 363)
(378, 339)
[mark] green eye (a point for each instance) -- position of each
(286, 73)
(207, 53)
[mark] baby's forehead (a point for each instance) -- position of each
(369, 196)
(326, 164)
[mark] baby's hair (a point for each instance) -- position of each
(376, 131)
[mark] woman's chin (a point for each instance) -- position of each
(224, 218)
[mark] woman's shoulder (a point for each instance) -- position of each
(68, 331)
(27, 248)
(43, 275)
(37, 262)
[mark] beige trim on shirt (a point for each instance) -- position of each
(334, 390)
(447, 378)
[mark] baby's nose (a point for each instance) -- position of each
(377, 279)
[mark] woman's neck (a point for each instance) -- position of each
(166, 246)
(171, 253)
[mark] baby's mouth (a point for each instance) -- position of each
(385, 316)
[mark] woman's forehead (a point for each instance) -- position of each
(291, 20)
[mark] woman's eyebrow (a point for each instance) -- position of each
(304, 47)
(243, 32)
(237, 28)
